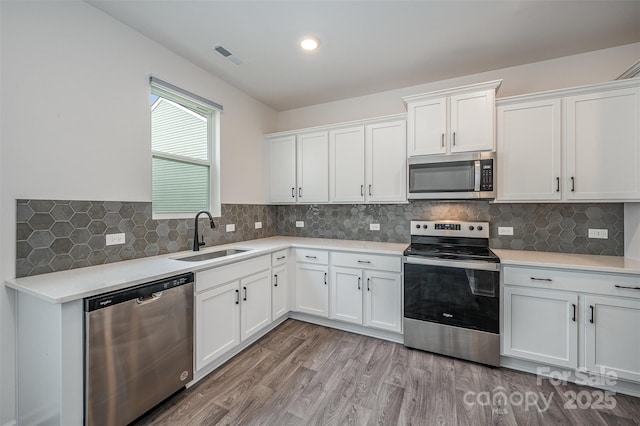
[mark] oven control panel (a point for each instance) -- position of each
(450, 228)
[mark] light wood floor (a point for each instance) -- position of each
(307, 374)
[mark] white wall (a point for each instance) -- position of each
(577, 70)
(76, 124)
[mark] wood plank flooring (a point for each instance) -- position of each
(304, 374)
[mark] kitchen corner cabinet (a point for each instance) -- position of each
(298, 168)
(449, 121)
(280, 284)
(232, 303)
(368, 163)
(361, 294)
(586, 321)
(312, 282)
(578, 144)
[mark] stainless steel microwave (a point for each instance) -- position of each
(452, 177)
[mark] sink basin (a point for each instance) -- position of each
(211, 255)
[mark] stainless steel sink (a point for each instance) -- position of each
(211, 255)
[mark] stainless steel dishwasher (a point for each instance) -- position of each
(138, 348)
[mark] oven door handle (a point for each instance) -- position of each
(461, 264)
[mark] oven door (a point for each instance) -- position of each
(451, 292)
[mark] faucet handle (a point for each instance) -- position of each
(201, 241)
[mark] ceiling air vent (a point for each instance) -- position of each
(230, 56)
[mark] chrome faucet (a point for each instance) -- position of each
(197, 243)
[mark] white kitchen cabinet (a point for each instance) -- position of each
(603, 145)
(383, 300)
(217, 323)
(280, 284)
(346, 295)
(540, 325)
(312, 283)
(386, 162)
(256, 303)
(529, 151)
(580, 144)
(612, 336)
(363, 295)
(299, 168)
(346, 165)
(282, 169)
(454, 120)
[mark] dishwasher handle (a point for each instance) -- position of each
(142, 294)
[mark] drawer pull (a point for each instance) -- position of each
(628, 286)
(281, 257)
(541, 279)
(591, 319)
(311, 257)
(368, 262)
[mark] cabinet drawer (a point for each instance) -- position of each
(320, 257)
(562, 279)
(279, 257)
(217, 276)
(367, 261)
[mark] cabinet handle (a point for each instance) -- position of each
(325, 278)
(364, 261)
(368, 284)
(281, 257)
(276, 277)
(573, 318)
(591, 320)
(245, 293)
(362, 190)
(311, 257)
(237, 297)
(573, 184)
(442, 141)
(300, 192)
(541, 279)
(558, 184)
(454, 138)
(370, 190)
(293, 193)
(359, 281)
(627, 286)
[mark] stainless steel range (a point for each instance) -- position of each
(452, 291)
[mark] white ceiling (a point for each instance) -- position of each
(372, 46)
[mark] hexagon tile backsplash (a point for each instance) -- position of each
(58, 235)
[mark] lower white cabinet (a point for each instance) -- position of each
(540, 325)
(612, 336)
(255, 304)
(383, 300)
(312, 284)
(346, 295)
(280, 283)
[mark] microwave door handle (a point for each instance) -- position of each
(476, 167)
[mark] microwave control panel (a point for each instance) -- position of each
(486, 175)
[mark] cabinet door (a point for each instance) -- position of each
(383, 300)
(529, 150)
(603, 149)
(346, 294)
(427, 125)
(279, 291)
(472, 121)
(540, 325)
(312, 289)
(386, 162)
(346, 165)
(313, 168)
(256, 303)
(612, 336)
(282, 170)
(217, 323)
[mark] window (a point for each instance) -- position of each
(184, 147)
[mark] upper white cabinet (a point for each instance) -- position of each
(362, 162)
(298, 168)
(453, 120)
(529, 151)
(578, 144)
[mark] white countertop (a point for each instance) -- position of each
(581, 262)
(65, 286)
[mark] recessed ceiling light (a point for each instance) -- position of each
(310, 43)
